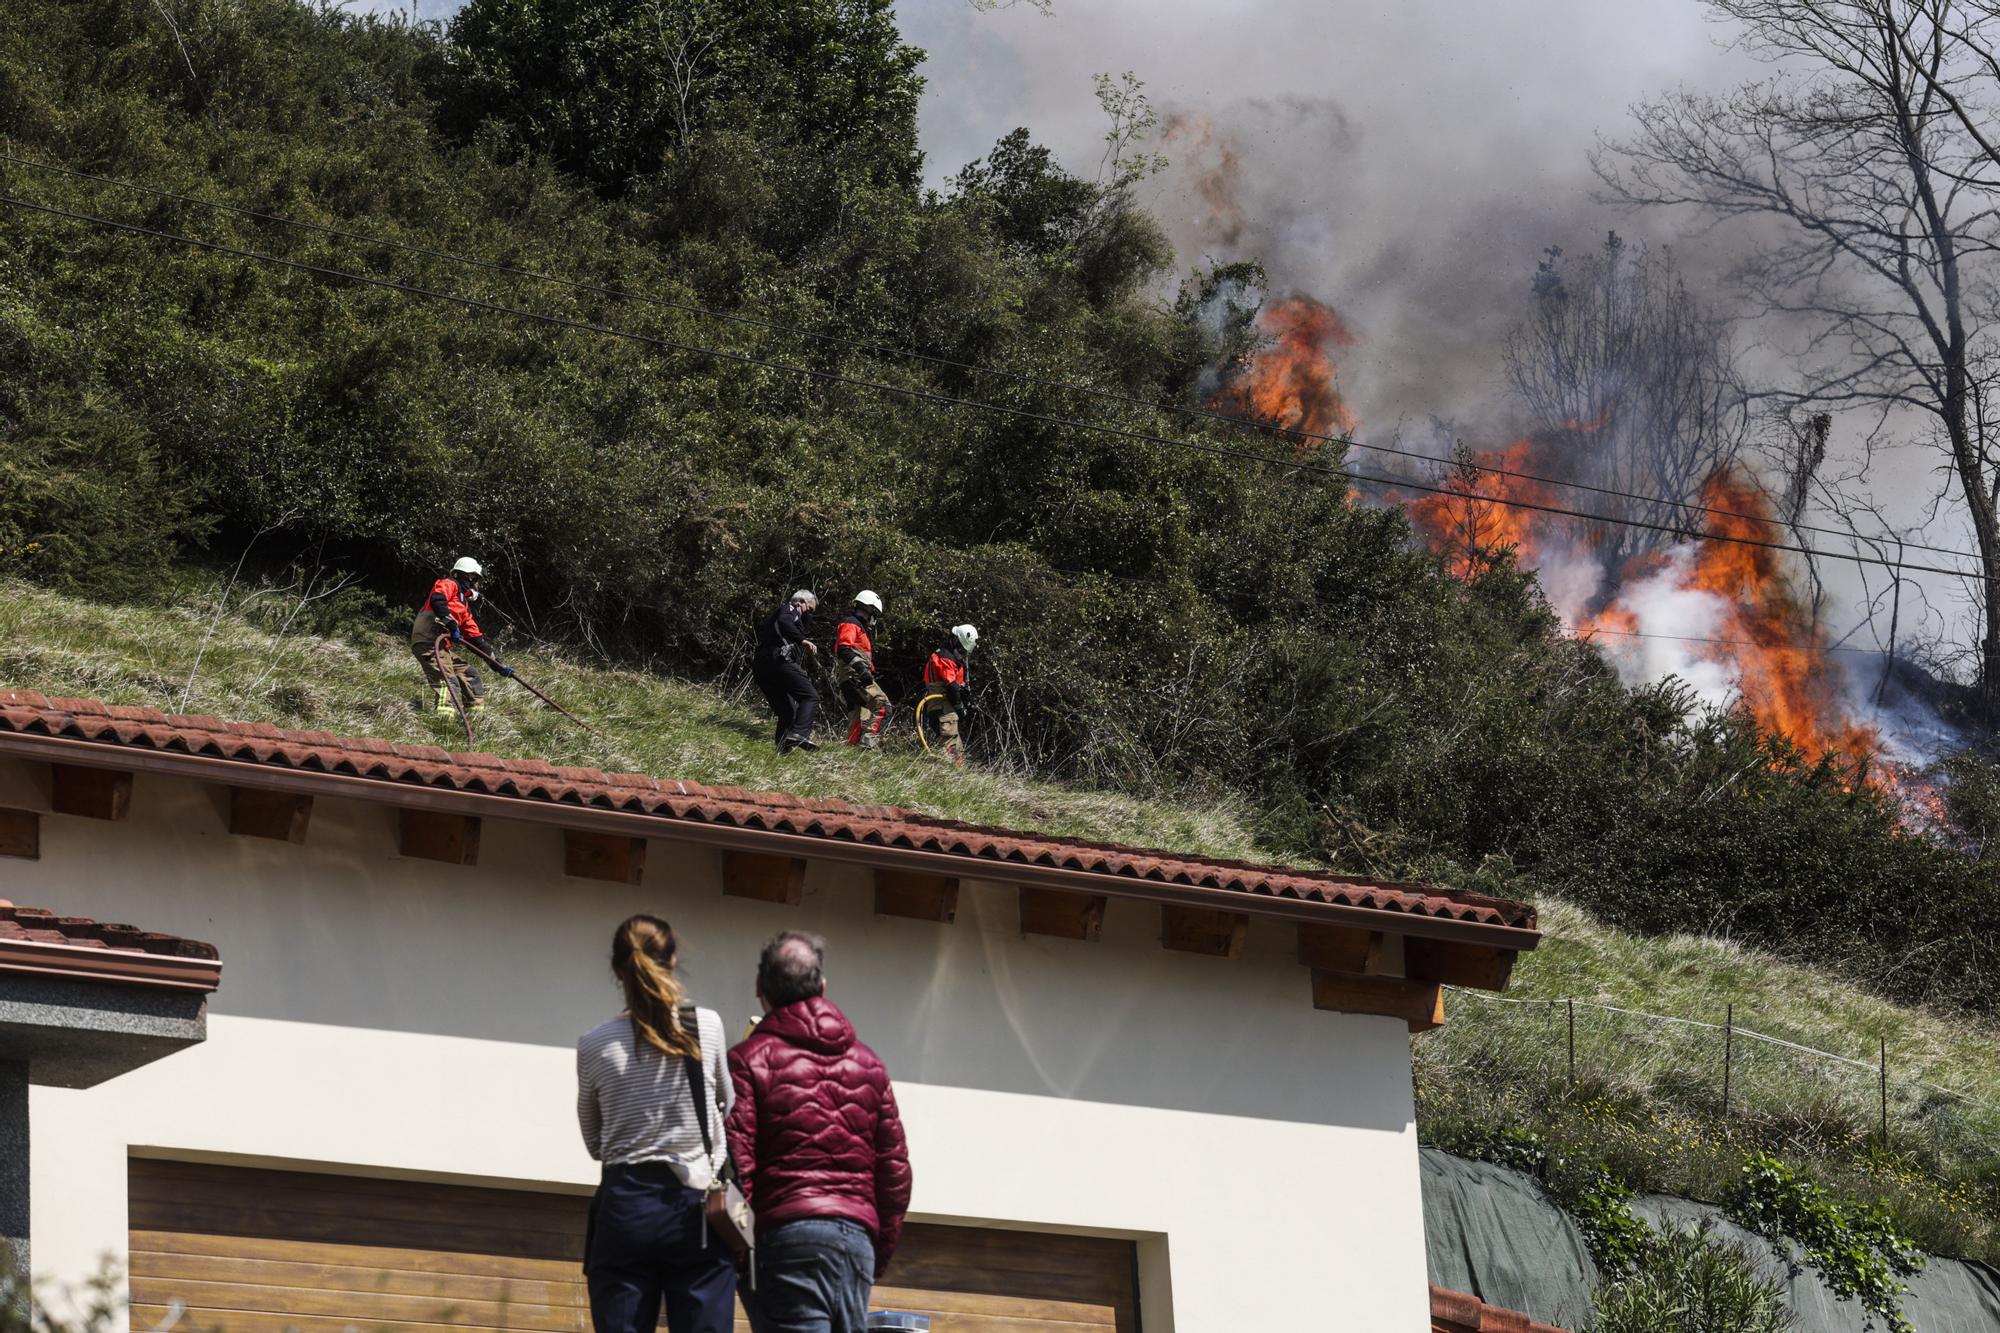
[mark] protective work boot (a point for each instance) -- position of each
(441, 699)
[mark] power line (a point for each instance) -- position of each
(881, 349)
(1586, 634)
(949, 400)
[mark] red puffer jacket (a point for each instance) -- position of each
(814, 1131)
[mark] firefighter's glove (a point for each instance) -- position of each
(505, 670)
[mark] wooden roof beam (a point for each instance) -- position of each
(1203, 930)
(1418, 1003)
(604, 856)
(1065, 916)
(430, 835)
(917, 896)
(256, 812)
(764, 879)
(94, 793)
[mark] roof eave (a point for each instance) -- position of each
(381, 791)
(119, 966)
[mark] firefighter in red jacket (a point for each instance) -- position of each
(447, 611)
(946, 694)
(854, 671)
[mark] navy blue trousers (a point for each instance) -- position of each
(648, 1246)
(813, 1276)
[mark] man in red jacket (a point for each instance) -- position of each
(819, 1151)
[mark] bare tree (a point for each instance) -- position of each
(1880, 221)
(687, 32)
(1640, 380)
(1803, 455)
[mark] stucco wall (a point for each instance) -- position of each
(406, 1017)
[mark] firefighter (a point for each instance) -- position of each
(854, 671)
(783, 649)
(946, 693)
(448, 611)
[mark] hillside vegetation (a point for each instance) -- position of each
(1646, 1104)
(1154, 619)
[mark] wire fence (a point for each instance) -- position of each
(1725, 1066)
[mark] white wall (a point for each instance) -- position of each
(407, 1017)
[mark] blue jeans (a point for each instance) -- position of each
(813, 1276)
(648, 1244)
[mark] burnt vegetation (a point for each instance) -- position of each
(1157, 618)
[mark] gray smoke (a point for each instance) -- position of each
(1406, 162)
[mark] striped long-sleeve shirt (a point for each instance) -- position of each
(633, 1104)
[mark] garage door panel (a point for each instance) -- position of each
(1018, 1310)
(406, 1215)
(248, 1321)
(221, 1258)
(251, 1221)
(501, 1307)
(1075, 1273)
(343, 1277)
(256, 1250)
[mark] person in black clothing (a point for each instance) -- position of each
(783, 649)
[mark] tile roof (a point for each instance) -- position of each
(1456, 1312)
(27, 714)
(39, 942)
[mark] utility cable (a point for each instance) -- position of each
(949, 400)
(881, 349)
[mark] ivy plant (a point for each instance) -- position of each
(1857, 1251)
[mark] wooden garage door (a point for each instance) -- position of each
(255, 1251)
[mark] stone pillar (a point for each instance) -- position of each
(14, 1176)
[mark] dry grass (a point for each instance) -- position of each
(189, 659)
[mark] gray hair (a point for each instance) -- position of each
(805, 595)
(792, 968)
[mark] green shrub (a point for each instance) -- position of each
(1688, 1282)
(1858, 1252)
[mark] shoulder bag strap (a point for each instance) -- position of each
(698, 1083)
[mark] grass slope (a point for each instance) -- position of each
(1646, 1098)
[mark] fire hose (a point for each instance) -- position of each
(454, 683)
(495, 663)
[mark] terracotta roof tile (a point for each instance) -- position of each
(83, 931)
(25, 712)
(1456, 1312)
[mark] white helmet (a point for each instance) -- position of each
(966, 635)
(804, 595)
(467, 565)
(867, 598)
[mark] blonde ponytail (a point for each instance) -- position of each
(642, 958)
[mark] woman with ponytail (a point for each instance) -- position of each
(652, 1088)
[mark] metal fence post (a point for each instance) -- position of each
(1885, 1093)
(1572, 1040)
(1728, 1043)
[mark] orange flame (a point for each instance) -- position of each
(1766, 638)
(1775, 649)
(1293, 383)
(1466, 525)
